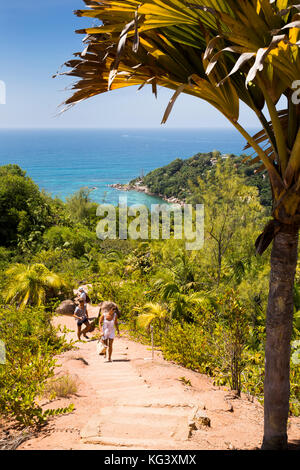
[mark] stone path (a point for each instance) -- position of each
(132, 413)
(134, 403)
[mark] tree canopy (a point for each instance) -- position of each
(24, 210)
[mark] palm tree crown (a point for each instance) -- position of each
(29, 284)
(221, 51)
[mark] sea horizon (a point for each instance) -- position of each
(61, 161)
(61, 128)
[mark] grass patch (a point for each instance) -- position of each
(62, 387)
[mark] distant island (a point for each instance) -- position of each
(172, 182)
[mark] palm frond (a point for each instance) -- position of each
(223, 52)
(28, 284)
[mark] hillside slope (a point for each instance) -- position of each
(173, 179)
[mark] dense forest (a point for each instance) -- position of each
(207, 307)
(174, 180)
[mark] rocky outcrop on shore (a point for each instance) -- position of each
(140, 187)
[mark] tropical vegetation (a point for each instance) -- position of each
(224, 52)
(31, 343)
(207, 314)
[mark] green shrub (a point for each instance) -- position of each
(78, 240)
(31, 343)
(215, 344)
(187, 345)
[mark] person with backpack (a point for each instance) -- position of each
(81, 315)
(83, 295)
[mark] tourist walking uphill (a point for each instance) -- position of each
(81, 314)
(107, 324)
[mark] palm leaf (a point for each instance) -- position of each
(250, 51)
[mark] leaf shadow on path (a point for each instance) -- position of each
(121, 360)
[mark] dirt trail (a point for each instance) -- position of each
(134, 403)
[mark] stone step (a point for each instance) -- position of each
(107, 384)
(115, 379)
(139, 387)
(145, 426)
(154, 399)
(139, 422)
(136, 443)
(109, 378)
(145, 396)
(111, 374)
(140, 411)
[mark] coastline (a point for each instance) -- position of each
(140, 187)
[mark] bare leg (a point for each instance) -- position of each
(78, 332)
(87, 328)
(105, 345)
(110, 348)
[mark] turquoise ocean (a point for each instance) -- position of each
(63, 161)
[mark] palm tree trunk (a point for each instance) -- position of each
(278, 338)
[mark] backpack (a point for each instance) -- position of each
(88, 299)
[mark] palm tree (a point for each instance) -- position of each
(223, 52)
(151, 312)
(179, 269)
(187, 306)
(183, 302)
(29, 285)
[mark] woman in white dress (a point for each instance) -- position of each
(107, 324)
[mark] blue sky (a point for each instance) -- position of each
(37, 37)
